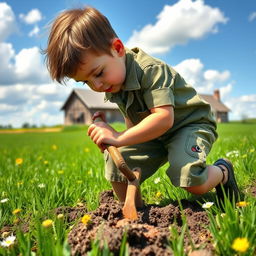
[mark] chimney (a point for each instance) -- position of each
(216, 94)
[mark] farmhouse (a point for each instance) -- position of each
(81, 104)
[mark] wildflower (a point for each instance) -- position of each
(234, 153)
(207, 205)
(60, 216)
(47, 223)
(242, 204)
(86, 219)
(19, 183)
(46, 162)
(16, 221)
(19, 161)
(4, 200)
(42, 185)
(86, 150)
(16, 211)
(158, 194)
(54, 147)
(8, 241)
(157, 180)
(60, 172)
(240, 244)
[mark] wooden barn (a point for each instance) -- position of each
(81, 104)
(219, 109)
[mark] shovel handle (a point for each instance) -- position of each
(118, 159)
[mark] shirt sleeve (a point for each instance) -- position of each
(157, 84)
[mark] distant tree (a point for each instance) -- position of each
(244, 118)
(25, 125)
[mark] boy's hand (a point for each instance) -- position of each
(102, 134)
(99, 114)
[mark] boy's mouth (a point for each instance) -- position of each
(109, 89)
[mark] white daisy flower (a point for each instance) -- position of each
(234, 153)
(42, 185)
(8, 241)
(4, 200)
(207, 205)
(157, 180)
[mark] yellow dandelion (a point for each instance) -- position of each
(242, 204)
(16, 211)
(46, 162)
(54, 147)
(16, 221)
(19, 183)
(19, 161)
(240, 244)
(60, 216)
(60, 172)
(47, 223)
(158, 194)
(86, 219)
(86, 150)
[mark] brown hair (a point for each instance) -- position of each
(72, 33)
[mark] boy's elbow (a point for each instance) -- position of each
(169, 122)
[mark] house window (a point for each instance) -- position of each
(80, 118)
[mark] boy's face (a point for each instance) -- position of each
(103, 73)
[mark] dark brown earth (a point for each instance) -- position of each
(149, 235)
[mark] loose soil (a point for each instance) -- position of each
(149, 235)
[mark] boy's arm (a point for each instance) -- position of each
(154, 125)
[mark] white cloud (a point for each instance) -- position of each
(252, 16)
(36, 104)
(34, 31)
(177, 24)
(8, 24)
(203, 80)
(27, 66)
(243, 106)
(31, 17)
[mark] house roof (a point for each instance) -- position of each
(215, 104)
(91, 99)
(95, 100)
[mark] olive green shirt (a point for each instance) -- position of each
(152, 83)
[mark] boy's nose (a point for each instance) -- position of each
(98, 84)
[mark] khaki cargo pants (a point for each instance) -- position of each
(185, 150)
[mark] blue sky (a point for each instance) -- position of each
(212, 43)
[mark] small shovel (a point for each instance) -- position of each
(133, 177)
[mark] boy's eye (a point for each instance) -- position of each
(99, 74)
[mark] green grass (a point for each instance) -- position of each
(62, 169)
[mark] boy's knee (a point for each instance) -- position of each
(197, 190)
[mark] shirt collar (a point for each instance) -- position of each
(131, 79)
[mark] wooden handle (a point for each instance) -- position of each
(118, 159)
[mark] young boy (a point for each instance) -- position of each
(166, 119)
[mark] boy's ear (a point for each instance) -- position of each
(118, 46)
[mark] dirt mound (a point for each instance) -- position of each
(149, 235)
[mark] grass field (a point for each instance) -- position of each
(42, 171)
